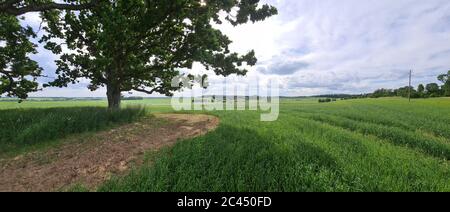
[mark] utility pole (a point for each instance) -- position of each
(409, 88)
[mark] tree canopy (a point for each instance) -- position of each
(18, 73)
(445, 78)
(20, 7)
(141, 45)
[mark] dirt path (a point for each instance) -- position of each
(94, 159)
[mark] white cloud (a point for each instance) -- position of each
(362, 45)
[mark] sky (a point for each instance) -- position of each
(317, 47)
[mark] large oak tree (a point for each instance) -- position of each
(140, 45)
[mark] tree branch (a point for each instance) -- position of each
(10, 2)
(145, 91)
(9, 8)
(11, 81)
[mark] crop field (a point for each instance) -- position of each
(386, 144)
(24, 128)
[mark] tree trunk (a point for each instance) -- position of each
(114, 96)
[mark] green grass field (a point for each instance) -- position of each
(22, 129)
(355, 145)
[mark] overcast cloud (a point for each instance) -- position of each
(328, 46)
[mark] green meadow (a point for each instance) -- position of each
(386, 144)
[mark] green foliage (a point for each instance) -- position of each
(18, 72)
(383, 93)
(326, 100)
(140, 45)
(445, 78)
(421, 91)
(21, 7)
(405, 92)
(420, 88)
(20, 128)
(432, 89)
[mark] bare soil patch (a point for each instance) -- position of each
(90, 160)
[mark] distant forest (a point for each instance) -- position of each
(423, 91)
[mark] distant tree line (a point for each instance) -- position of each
(326, 100)
(423, 91)
(132, 98)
